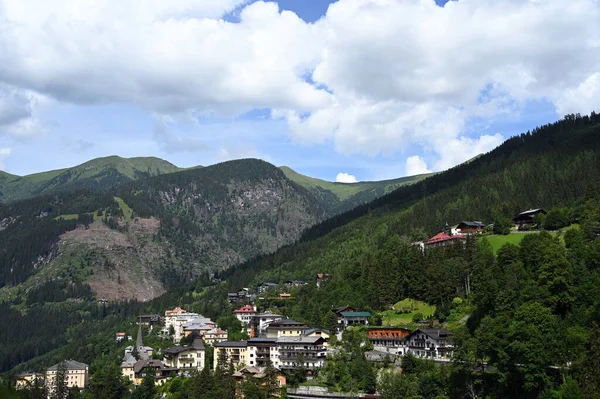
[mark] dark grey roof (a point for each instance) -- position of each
(286, 322)
(70, 365)
(197, 345)
(435, 333)
(301, 339)
(262, 341)
(473, 224)
(312, 330)
(148, 363)
(232, 344)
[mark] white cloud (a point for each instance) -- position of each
(416, 165)
(345, 178)
(4, 153)
(384, 75)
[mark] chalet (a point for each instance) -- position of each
(388, 339)
(260, 322)
(442, 239)
(321, 279)
(160, 371)
(28, 379)
(235, 352)
(303, 351)
(524, 220)
(76, 375)
(468, 228)
(347, 319)
(318, 332)
(285, 328)
(265, 286)
(259, 374)
(245, 314)
(338, 311)
(431, 343)
(186, 358)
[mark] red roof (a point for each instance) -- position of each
(444, 237)
(177, 310)
(245, 309)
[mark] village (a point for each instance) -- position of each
(274, 341)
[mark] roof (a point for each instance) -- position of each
(231, 344)
(322, 275)
(295, 282)
(29, 374)
(267, 314)
(444, 237)
(472, 224)
(268, 285)
(343, 308)
(177, 310)
(70, 365)
(312, 330)
(434, 333)
(299, 339)
(262, 341)
(532, 211)
(286, 322)
(148, 363)
(197, 345)
(285, 295)
(356, 314)
(245, 309)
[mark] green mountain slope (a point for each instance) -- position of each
(341, 197)
(160, 231)
(98, 173)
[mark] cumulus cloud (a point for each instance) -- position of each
(171, 143)
(370, 77)
(345, 178)
(416, 165)
(4, 153)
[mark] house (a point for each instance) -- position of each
(76, 375)
(430, 343)
(388, 339)
(160, 371)
(294, 283)
(468, 228)
(524, 220)
(265, 286)
(353, 318)
(149, 319)
(285, 328)
(245, 314)
(285, 296)
(120, 336)
(258, 373)
(261, 351)
(260, 322)
(181, 323)
(28, 379)
(294, 351)
(318, 332)
(321, 279)
(442, 239)
(215, 335)
(341, 309)
(235, 352)
(186, 358)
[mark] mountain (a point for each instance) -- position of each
(136, 239)
(99, 173)
(341, 197)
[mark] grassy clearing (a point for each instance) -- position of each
(498, 240)
(67, 217)
(127, 211)
(404, 311)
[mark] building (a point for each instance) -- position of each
(318, 332)
(347, 319)
(430, 343)
(260, 322)
(120, 336)
(265, 286)
(133, 354)
(76, 375)
(185, 358)
(245, 314)
(28, 379)
(235, 352)
(285, 328)
(160, 371)
(285, 296)
(525, 220)
(294, 283)
(261, 351)
(321, 279)
(215, 335)
(304, 351)
(149, 319)
(181, 323)
(442, 239)
(346, 308)
(258, 373)
(467, 228)
(388, 339)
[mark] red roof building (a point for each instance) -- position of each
(442, 239)
(245, 314)
(245, 309)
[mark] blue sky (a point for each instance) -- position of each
(371, 89)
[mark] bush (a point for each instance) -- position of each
(417, 317)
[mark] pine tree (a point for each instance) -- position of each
(59, 389)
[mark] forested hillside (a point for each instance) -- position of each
(100, 173)
(161, 231)
(342, 197)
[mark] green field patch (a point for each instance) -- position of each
(403, 312)
(67, 217)
(498, 240)
(127, 211)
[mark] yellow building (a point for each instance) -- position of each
(285, 328)
(215, 335)
(76, 374)
(231, 351)
(25, 380)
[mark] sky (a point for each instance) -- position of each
(341, 90)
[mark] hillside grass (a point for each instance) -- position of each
(127, 211)
(409, 308)
(498, 240)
